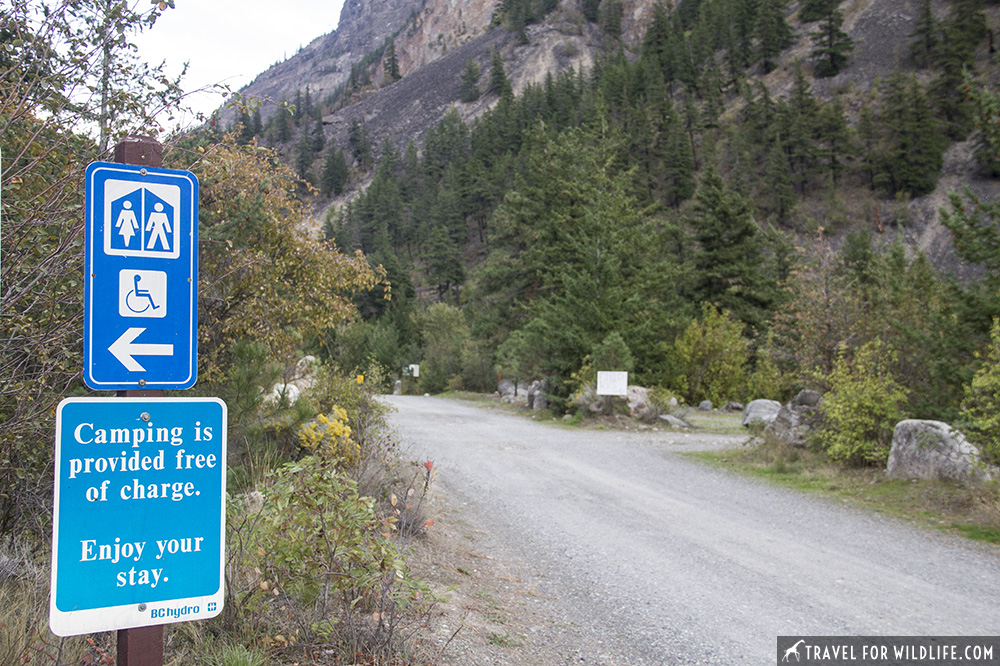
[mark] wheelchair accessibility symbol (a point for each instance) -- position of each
(142, 294)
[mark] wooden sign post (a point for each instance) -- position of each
(140, 646)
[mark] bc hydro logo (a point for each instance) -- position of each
(179, 612)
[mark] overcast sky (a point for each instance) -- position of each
(232, 41)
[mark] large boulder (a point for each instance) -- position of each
(305, 373)
(536, 395)
(793, 421)
(705, 406)
(639, 405)
(807, 398)
(587, 401)
(934, 450)
(279, 392)
(674, 421)
(760, 411)
(507, 390)
(638, 399)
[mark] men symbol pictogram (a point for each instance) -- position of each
(159, 224)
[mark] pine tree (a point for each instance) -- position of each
(687, 12)
(778, 177)
(656, 42)
(962, 32)
(925, 36)
(836, 141)
(361, 147)
(245, 123)
(391, 62)
(573, 256)
(308, 111)
(303, 154)
(911, 156)
(611, 19)
(498, 77)
(297, 111)
(800, 117)
(282, 127)
(832, 45)
(730, 264)
(334, 172)
(256, 123)
(410, 179)
(869, 140)
(517, 17)
(680, 166)
(469, 90)
(744, 20)
(772, 32)
(815, 10)
(714, 105)
(444, 262)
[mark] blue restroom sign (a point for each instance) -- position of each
(138, 530)
(141, 278)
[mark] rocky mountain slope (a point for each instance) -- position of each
(434, 39)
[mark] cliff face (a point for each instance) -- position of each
(427, 32)
(326, 62)
(433, 41)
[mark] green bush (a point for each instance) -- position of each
(863, 406)
(445, 333)
(711, 356)
(478, 369)
(328, 561)
(981, 406)
(613, 354)
(766, 379)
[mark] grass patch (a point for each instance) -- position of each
(970, 509)
(503, 640)
(478, 399)
(980, 533)
(714, 422)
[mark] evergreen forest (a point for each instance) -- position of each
(664, 198)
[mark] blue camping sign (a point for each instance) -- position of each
(138, 533)
(141, 278)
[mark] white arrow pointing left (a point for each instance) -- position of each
(124, 348)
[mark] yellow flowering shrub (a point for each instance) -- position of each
(330, 437)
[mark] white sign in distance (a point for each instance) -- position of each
(612, 383)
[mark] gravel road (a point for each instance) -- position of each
(613, 549)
